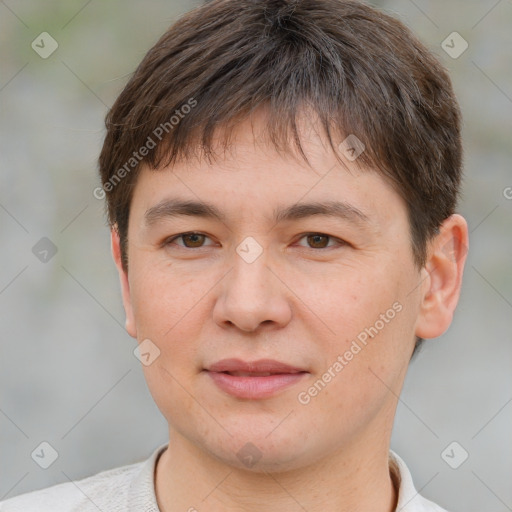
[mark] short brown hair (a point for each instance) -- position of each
(361, 71)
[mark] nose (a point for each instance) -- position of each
(252, 294)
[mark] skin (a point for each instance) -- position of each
(299, 302)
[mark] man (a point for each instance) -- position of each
(281, 180)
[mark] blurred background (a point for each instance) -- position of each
(68, 375)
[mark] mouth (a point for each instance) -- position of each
(250, 374)
(254, 380)
(252, 368)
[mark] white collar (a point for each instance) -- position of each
(409, 499)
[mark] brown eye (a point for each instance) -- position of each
(321, 241)
(190, 240)
(318, 241)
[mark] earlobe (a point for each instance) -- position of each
(444, 268)
(125, 285)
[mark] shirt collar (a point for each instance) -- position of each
(142, 496)
(409, 499)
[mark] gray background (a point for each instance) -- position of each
(68, 375)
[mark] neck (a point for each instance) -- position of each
(351, 479)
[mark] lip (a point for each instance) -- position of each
(255, 386)
(259, 366)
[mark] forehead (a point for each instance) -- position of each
(251, 177)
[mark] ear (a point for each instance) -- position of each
(443, 277)
(125, 285)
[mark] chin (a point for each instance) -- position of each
(259, 452)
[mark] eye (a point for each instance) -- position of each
(192, 240)
(320, 240)
(195, 240)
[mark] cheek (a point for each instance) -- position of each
(371, 324)
(167, 310)
(350, 299)
(170, 311)
(164, 300)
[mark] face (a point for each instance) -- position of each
(330, 297)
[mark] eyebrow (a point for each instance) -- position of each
(169, 208)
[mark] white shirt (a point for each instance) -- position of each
(131, 488)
